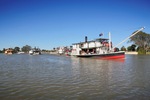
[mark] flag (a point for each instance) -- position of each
(100, 34)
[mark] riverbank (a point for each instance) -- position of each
(131, 53)
(136, 53)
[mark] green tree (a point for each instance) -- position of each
(16, 49)
(3, 50)
(26, 48)
(133, 47)
(141, 50)
(142, 40)
(129, 48)
(123, 48)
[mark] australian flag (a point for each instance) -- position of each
(101, 34)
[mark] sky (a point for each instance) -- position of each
(52, 23)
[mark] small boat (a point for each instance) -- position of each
(35, 52)
(98, 48)
(60, 51)
(21, 52)
(31, 52)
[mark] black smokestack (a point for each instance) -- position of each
(86, 38)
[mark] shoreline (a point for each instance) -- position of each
(132, 53)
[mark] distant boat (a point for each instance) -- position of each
(61, 51)
(31, 52)
(21, 52)
(35, 52)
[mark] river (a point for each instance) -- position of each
(51, 77)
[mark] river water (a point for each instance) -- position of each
(51, 77)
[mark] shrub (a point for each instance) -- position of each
(141, 51)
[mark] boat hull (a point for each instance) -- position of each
(114, 55)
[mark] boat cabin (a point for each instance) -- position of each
(97, 46)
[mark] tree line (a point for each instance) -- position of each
(16, 49)
(129, 48)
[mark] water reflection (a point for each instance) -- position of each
(97, 75)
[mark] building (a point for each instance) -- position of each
(9, 51)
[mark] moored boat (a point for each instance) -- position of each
(31, 52)
(35, 51)
(98, 48)
(20, 52)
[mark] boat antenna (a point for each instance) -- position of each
(130, 36)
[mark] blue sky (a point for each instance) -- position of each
(52, 23)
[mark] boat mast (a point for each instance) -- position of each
(109, 41)
(130, 36)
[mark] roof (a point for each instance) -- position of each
(98, 39)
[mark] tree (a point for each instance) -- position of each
(16, 49)
(132, 47)
(123, 48)
(3, 50)
(141, 50)
(26, 48)
(129, 48)
(142, 40)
